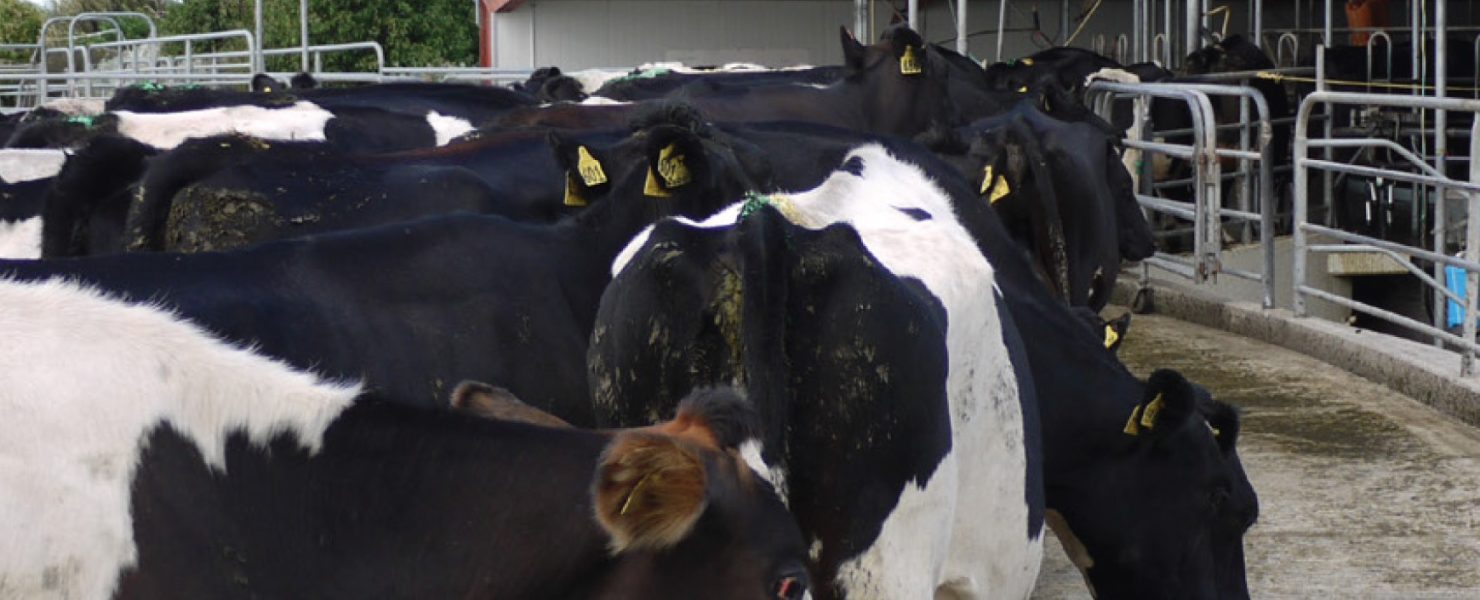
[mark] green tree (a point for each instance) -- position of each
(412, 32)
(20, 22)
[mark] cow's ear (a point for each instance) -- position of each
(676, 158)
(853, 52)
(492, 402)
(650, 489)
(718, 417)
(585, 172)
(1169, 401)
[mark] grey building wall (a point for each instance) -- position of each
(577, 34)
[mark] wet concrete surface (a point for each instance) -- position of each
(1363, 492)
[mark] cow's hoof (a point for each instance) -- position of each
(1145, 301)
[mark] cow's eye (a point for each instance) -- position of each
(1217, 498)
(791, 587)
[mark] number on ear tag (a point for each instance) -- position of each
(589, 167)
(671, 166)
(908, 64)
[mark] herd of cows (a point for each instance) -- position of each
(829, 332)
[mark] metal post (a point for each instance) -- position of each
(1137, 26)
(1064, 22)
(1259, 23)
(1166, 8)
(915, 14)
(1441, 150)
(1193, 39)
(1001, 25)
(257, 64)
(1472, 240)
(961, 45)
(1326, 34)
(1302, 198)
(303, 33)
(860, 21)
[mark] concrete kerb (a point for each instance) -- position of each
(1423, 372)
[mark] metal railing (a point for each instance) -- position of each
(1206, 210)
(1423, 174)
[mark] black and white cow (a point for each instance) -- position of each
(25, 178)
(863, 323)
(89, 202)
(897, 86)
(1154, 511)
(147, 458)
(384, 117)
(662, 83)
(1062, 191)
(415, 307)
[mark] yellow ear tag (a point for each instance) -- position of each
(671, 167)
(1110, 336)
(999, 190)
(1023, 90)
(589, 167)
(986, 180)
(908, 64)
(1130, 424)
(1028, 62)
(572, 193)
(651, 189)
(1148, 418)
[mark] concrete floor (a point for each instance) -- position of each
(1364, 493)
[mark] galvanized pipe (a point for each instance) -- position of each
(257, 62)
(914, 14)
(1441, 149)
(303, 34)
(1001, 26)
(962, 47)
(1193, 41)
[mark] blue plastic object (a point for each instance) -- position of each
(1454, 279)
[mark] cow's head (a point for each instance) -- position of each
(685, 515)
(1184, 501)
(693, 170)
(903, 81)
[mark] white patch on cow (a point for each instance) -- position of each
(447, 127)
(86, 379)
(29, 164)
(592, 79)
(301, 121)
(76, 107)
(720, 219)
(1112, 74)
(1132, 156)
(963, 533)
(601, 101)
(750, 452)
(20, 239)
(741, 67)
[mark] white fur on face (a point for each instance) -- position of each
(20, 239)
(964, 531)
(447, 127)
(85, 380)
(302, 121)
(29, 164)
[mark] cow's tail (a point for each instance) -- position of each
(764, 279)
(1048, 224)
(96, 178)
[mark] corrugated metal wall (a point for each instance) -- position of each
(577, 34)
